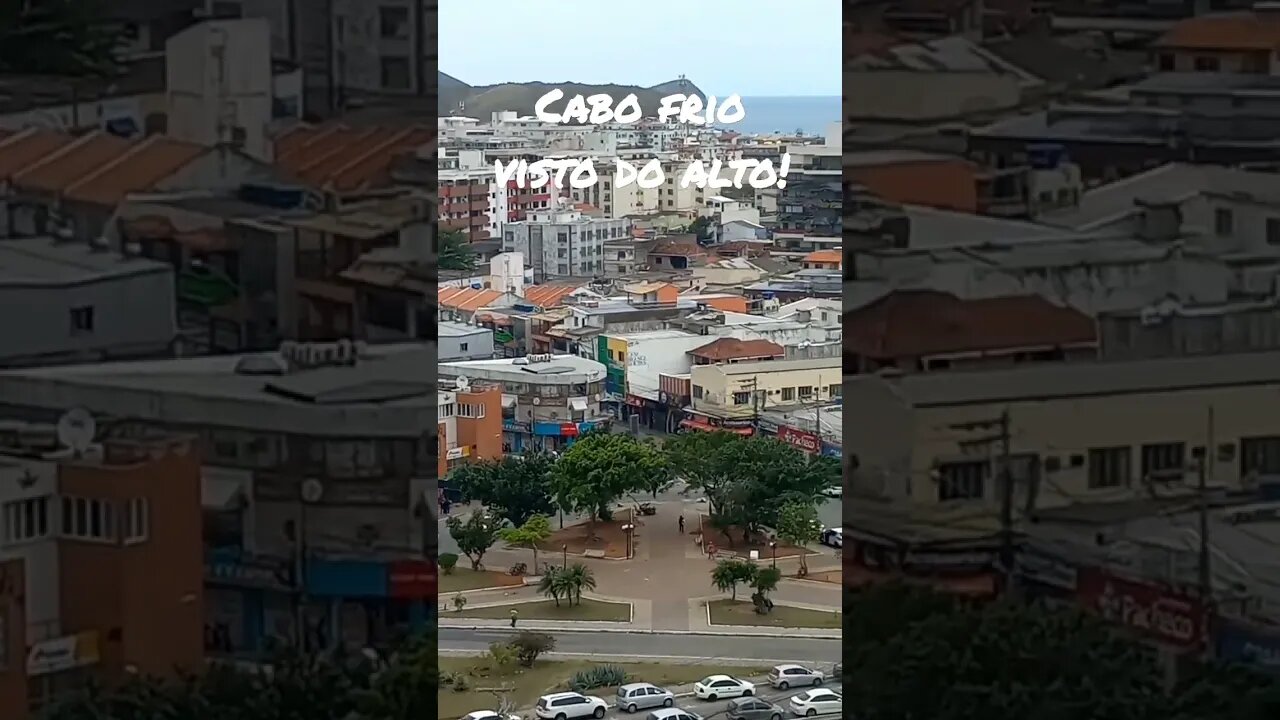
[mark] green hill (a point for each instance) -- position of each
(480, 102)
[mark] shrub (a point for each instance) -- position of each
(461, 683)
(529, 645)
(503, 654)
(447, 562)
(598, 677)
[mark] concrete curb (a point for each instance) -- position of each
(732, 630)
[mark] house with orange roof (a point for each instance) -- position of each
(55, 182)
(822, 260)
(462, 304)
(554, 295)
(347, 161)
(1247, 41)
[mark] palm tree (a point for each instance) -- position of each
(578, 577)
(455, 253)
(552, 584)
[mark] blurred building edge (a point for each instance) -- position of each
(101, 575)
(317, 481)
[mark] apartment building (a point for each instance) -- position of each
(315, 455)
(470, 424)
(465, 204)
(1235, 42)
(105, 544)
(547, 400)
(562, 243)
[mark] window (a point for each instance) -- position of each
(1273, 231)
(462, 347)
(835, 390)
(741, 398)
(962, 481)
(26, 519)
(806, 392)
(395, 72)
(697, 392)
(1109, 467)
(1223, 222)
(1207, 64)
(467, 410)
(1166, 62)
(88, 519)
(788, 394)
(393, 22)
(1260, 455)
(136, 521)
(1164, 461)
(82, 320)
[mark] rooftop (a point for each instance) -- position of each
(558, 370)
(916, 323)
(768, 366)
(1074, 380)
(44, 262)
(549, 296)
(346, 159)
(726, 348)
(467, 299)
(457, 329)
(1246, 30)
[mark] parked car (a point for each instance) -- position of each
(488, 715)
(715, 687)
(833, 491)
(833, 537)
(837, 671)
(749, 708)
(570, 705)
(790, 675)
(641, 696)
(817, 702)
(673, 714)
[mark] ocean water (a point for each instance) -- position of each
(810, 114)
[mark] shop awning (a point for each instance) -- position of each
(708, 427)
(508, 401)
(579, 404)
(221, 492)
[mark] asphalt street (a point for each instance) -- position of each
(725, 649)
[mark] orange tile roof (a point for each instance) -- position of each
(146, 164)
(26, 148)
(346, 159)
(548, 296)
(944, 183)
(734, 349)
(467, 298)
(818, 256)
(1226, 31)
(84, 155)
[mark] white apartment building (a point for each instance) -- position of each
(562, 243)
(741, 391)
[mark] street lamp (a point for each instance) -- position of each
(773, 546)
(564, 551)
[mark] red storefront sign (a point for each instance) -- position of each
(634, 401)
(411, 580)
(805, 441)
(1153, 610)
(568, 430)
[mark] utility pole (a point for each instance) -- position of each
(1003, 440)
(1205, 567)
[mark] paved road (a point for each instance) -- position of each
(822, 652)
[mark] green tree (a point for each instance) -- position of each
(552, 584)
(728, 574)
(765, 582)
(529, 645)
(475, 535)
(1222, 690)
(456, 252)
(703, 228)
(703, 461)
(798, 525)
(535, 530)
(58, 37)
(515, 488)
(600, 468)
(578, 578)
(999, 660)
(447, 561)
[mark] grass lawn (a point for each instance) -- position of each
(524, 685)
(467, 579)
(546, 610)
(728, 612)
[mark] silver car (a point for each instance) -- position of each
(639, 696)
(787, 676)
(673, 714)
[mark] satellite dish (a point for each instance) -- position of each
(312, 490)
(76, 429)
(462, 382)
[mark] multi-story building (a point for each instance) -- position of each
(109, 536)
(734, 395)
(470, 424)
(82, 303)
(547, 400)
(563, 243)
(317, 486)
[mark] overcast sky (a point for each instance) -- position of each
(723, 46)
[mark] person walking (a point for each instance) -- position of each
(515, 615)
(682, 524)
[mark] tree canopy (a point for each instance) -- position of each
(514, 488)
(456, 252)
(58, 37)
(601, 467)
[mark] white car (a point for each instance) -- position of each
(569, 706)
(819, 701)
(488, 715)
(717, 687)
(833, 537)
(834, 491)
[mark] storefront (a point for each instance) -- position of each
(803, 441)
(248, 600)
(60, 667)
(515, 436)
(367, 603)
(559, 435)
(695, 422)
